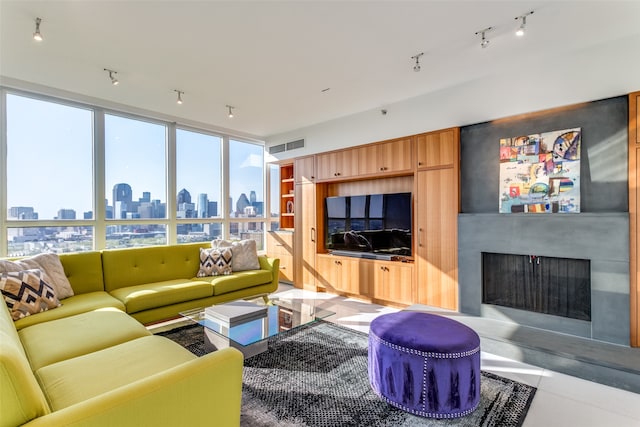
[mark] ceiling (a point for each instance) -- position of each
(273, 61)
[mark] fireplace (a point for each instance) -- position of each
(597, 243)
(548, 285)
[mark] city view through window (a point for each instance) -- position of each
(51, 174)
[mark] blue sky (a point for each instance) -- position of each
(49, 157)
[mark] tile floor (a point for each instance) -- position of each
(561, 400)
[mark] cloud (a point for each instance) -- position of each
(252, 161)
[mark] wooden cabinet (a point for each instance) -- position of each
(436, 149)
(634, 218)
(392, 281)
(287, 201)
(337, 165)
(634, 116)
(305, 236)
(340, 274)
(436, 226)
(304, 170)
(437, 238)
(389, 157)
(280, 245)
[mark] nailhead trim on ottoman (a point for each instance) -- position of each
(425, 364)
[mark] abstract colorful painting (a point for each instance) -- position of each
(541, 173)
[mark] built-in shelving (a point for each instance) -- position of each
(287, 202)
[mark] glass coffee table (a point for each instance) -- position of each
(246, 324)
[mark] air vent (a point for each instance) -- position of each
(286, 147)
(277, 148)
(295, 144)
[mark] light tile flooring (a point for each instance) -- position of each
(561, 400)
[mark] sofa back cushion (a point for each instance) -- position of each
(21, 398)
(84, 271)
(137, 266)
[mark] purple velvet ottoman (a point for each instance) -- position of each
(425, 364)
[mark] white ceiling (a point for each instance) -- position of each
(271, 60)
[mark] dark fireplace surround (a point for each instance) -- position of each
(602, 239)
(547, 285)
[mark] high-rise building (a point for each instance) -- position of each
(121, 200)
(22, 212)
(212, 209)
(203, 206)
(252, 197)
(66, 214)
(183, 197)
(242, 203)
(146, 197)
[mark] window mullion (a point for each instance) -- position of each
(99, 203)
(172, 191)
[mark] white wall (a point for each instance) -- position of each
(603, 71)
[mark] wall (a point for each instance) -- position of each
(599, 233)
(592, 74)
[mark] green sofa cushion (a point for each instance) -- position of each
(75, 380)
(73, 336)
(71, 306)
(84, 271)
(239, 280)
(152, 295)
(123, 268)
(21, 399)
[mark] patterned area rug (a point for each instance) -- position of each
(316, 375)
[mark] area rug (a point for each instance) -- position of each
(316, 375)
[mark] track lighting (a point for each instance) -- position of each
(179, 92)
(112, 76)
(523, 24)
(37, 36)
(416, 67)
(230, 111)
(485, 42)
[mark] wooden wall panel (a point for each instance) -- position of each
(399, 184)
(634, 218)
(437, 279)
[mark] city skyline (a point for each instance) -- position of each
(29, 212)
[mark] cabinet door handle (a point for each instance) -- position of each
(420, 163)
(420, 237)
(313, 234)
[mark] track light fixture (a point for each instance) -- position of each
(523, 24)
(416, 67)
(485, 42)
(179, 92)
(112, 76)
(230, 108)
(37, 36)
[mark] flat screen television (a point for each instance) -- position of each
(373, 223)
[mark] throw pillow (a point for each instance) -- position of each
(52, 269)
(214, 262)
(26, 293)
(245, 253)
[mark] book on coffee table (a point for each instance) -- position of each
(235, 313)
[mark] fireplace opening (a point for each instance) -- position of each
(549, 285)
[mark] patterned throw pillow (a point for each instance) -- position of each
(26, 293)
(51, 267)
(245, 253)
(214, 262)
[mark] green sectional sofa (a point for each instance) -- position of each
(91, 361)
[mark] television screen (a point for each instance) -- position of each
(374, 223)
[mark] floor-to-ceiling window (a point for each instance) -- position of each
(199, 204)
(77, 177)
(135, 181)
(246, 192)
